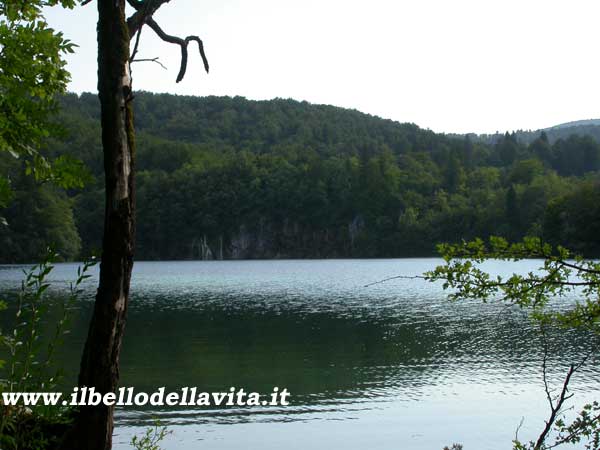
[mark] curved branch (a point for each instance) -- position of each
(183, 43)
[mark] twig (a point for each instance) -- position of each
(154, 60)
(403, 277)
(519, 428)
(544, 368)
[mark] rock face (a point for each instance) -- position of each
(201, 250)
(249, 244)
(354, 229)
(284, 240)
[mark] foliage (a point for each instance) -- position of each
(39, 216)
(235, 178)
(561, 273)
(584, 428)
(151, 438)
(32, 74)
(548, 135)
(30, 366)
(574, 219)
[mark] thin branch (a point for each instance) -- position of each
(579, 268)
(154, 60)
(519, 428)
(397, 277)
(554, 410)
(569, 438)
(544, 371)
(533, 282)
(136, 45)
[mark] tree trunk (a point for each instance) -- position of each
(93, 426)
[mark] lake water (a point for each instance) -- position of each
(390, 366)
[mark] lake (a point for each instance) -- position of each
(391, 366)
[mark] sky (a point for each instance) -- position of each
(451, 66)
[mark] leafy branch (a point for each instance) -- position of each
(560, 274)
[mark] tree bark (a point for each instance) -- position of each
(93, 425)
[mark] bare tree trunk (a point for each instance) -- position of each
(93, 426)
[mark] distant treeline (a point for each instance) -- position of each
(564, 131)
(222, 177)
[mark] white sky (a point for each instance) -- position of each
(448, 65)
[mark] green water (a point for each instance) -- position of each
(390, 366)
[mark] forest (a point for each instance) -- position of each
(231, 178)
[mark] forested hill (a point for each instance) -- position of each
(260, 126)
(590, 127)
(222, 177)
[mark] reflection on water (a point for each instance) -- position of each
(393, 365)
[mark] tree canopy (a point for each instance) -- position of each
(235, 178)
(33, 72)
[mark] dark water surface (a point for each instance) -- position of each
(390, 366)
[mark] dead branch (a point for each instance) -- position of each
(144, 11)
(183, 43)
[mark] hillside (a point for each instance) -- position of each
(590, 127)
(577, 123)
(222, 177)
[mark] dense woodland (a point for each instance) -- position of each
(563, 131)
(222, 177)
